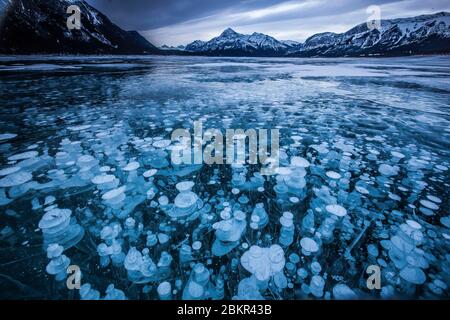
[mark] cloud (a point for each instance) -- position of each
(175, 22)
(149, 14)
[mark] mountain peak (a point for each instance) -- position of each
(228, 32)
(425, 34)
(50, 35)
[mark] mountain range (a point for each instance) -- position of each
(232, 43)
(39, 26)
(426, 34)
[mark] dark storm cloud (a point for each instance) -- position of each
(150, 14)
(175, 22)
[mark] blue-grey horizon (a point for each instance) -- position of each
(178, 22)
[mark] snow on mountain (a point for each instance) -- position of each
(195, 46)
(418, 35)
(320, 39)
(290, 43)
(39, 26)
(232, 43)
(424, 34)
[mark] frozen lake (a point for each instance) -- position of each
(86, 178)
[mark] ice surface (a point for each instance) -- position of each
(363, 177)
(114, 294)
(36, 67)
(115, 193)
(299, 162)
(164, 290)
(88, 293)
(103, 179)
(333, 175)
(23, 155)
(132, 166)
(58, 228)
(413, 275)
(7, 136)
(7, 171)
(343, 292)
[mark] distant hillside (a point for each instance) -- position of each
(39, 26)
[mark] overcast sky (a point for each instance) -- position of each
(175, 22)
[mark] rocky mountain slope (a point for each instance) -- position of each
(232, 43)
(39, 26)
(424, 34)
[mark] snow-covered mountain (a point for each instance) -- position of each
(39, 26)
(195, 46)
(290, 43)
(232, 43)
(424, 34)
(418, 35)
